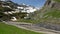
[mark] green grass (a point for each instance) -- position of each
(57, 0)
(8, 29)
(51, 16)
(53, 13)
(28, 21)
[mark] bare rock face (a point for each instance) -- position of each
(52, 4)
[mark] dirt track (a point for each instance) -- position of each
(31, 27)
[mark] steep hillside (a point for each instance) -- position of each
(50, 12)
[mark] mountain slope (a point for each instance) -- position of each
(9, 9)
(50, 12)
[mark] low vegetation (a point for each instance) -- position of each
(53, 13)
(57, 0)
(29, 21)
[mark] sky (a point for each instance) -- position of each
(36, 3)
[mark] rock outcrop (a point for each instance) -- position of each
(50, 12)
(52, 4)
(48, 6)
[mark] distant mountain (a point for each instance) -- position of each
(10, 10)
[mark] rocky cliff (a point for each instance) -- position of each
(50, 12)
(52, 4)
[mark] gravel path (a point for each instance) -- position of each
(32, 27)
